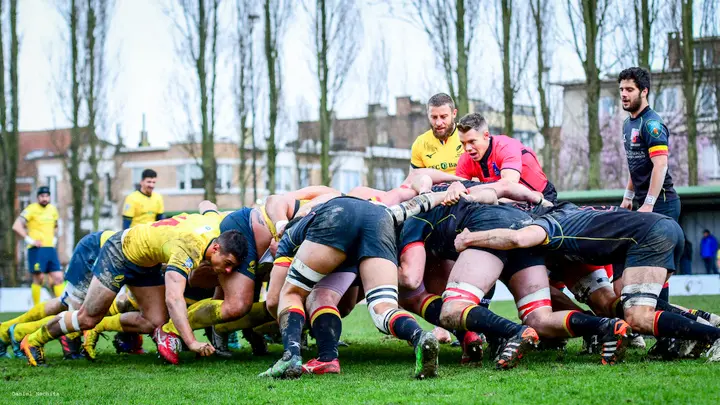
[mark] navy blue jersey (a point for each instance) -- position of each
(592, 235)
(645, 137)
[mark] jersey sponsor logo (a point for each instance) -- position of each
(635, 135)
(443, 166)
(251, 267)
(654, 128)
(127, 207)
(496, 169)
(458, 148)
(430, 155)
(188, 264)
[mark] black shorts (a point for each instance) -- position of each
(480, 217)
(521, 259)
(114, 270)
(357, 227)
(549, 193)
(662, 246)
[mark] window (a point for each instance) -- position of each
(382, 138)
(666, 100)
(304, 177)
(189, 177)
(388, 178)
(703, 56)
(24, 199)
(137, 177)
(608, 106)
(51, 182)
(346, 180)
(283, 178)
(224, 177)
(706, 105)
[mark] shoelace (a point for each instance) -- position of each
(510, 349)
(174, 344)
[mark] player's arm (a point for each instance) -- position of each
(510, 162)
(128, 212)
(305, 209)
(206, 206)
(20, 228)
(512, 190)
(657, 178)
(174, 287)
(436, 176)
(501, 239)
(629, 194)
(310, 192)
(161, 210)
(416, 161)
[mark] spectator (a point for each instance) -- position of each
(708, 251)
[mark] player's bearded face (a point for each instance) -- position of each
(442, 120)
(630, 95)
(44, 199)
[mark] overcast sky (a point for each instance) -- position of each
(141, 50)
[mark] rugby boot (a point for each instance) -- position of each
(552, 344)
(15, 344)
(287, 367)
(516, 347)
(591, 345)
(637, 341)
(4, 340)
(258, 344)
(128, 342)
(71, 348)
(614, 340)
(90, 339)
(318, 367)
(426, 356)
(233, 341)
(665, 349)
(169, 345)
(713, 354)
(35, 354)
(495, 345)
(219, 342)
(472, 348)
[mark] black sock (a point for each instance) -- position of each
(580, 324)
(293, 319)
(487, 298)
(405, 327)
(668, 324)
(666, 306)
(702, 314)
(482, 320)
(665, 293)
(326, 328)
(431, 308)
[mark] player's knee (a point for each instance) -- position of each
(85, 320)
(640, 319)
(409, 278)
(56, 278)
(321, 298)
(236, 307)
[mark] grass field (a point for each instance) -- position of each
(376, 370)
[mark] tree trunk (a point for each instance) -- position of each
(93, 159)
(76, 135)
(508, 93)
(538, 16)
(462, 102)
(323, 73)
(689, 89)
(592, 73)
(271, 55)
(208, 144)
(643, 15)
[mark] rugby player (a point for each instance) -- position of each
(142, 206)
(493, 157)
(648, 244)
(439, 148)
(78, 276)
(135, 258)
(349, 231)
(37, 226)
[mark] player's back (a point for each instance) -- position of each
(152, 244)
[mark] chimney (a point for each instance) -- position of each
(377, 110)
(144, 142)
(403, 106)
(674, 56)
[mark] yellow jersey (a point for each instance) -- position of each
(143, 209)
(105, 236)
(180, 241)
(429, 152)
(41, 222)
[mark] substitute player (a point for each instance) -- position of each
(143, 206)
(439, 148)
(37, 226)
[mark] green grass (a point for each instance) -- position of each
(376, 369)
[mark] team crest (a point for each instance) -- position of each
(634, 135)
(189, 263)
(496, 169)
(654, 128)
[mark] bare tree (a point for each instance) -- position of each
(690, 85)
(198, 26)
(540, 11)
(336, 26)
(277, 14)
(97, 15)
(515, 53)
(244, 84)
(9, 146)
(592, 15)
(75, 152)
(451, 30)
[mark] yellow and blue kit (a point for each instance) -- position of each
(429, 152)
(142, 209)
(41, 223)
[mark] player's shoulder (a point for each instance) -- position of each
(157, 196)
(30, 209)
(423, 138)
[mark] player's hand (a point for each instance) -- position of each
(38, 243)
(645, 208)
(203, 349)
(452, 196)
(462, 240)
(626, 203)
(545, 203)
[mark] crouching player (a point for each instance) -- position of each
(347, 230)
(134, 258)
